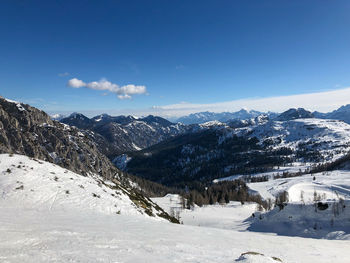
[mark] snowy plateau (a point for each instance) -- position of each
(49, 214)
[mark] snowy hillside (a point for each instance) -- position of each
(326, 220)
(331, 185)
(314, 205)
(327, 139)
(78, 235)
(48, 213)
(35, 184)
(237, 218)
(318, 206)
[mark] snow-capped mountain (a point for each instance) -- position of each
(78, 120)
(343, 113)
(202, 117)
(105, 118)
(237, 123)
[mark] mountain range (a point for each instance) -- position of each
(224, 151)
(343, 113)
(202, 117)
(116, 135)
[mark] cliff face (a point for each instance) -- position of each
(29, 131)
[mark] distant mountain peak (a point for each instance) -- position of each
(76, 115)
(243, 110)
(78, 120)
(101, 117)
(295, 113)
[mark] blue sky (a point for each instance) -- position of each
(190, 54)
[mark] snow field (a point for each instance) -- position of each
(27, 182)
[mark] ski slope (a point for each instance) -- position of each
(30, 235)
(42, 222)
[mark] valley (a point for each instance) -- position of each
(249, 192)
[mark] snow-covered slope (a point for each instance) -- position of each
(30, 183)
(327, 139)
(31, 235)
(318, 206)
(49, 214)
(332, 184)
(306, 220)
(228, 216)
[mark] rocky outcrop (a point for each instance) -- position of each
(29, 131)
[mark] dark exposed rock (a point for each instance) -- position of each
(29, 131)
(322, 206)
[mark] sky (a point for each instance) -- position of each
(171, 58)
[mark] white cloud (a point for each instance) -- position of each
(124, 97)
(132, 89)
(103, 84)
(123, 92)
(76, 83)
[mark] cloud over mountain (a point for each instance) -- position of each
(123, 92)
